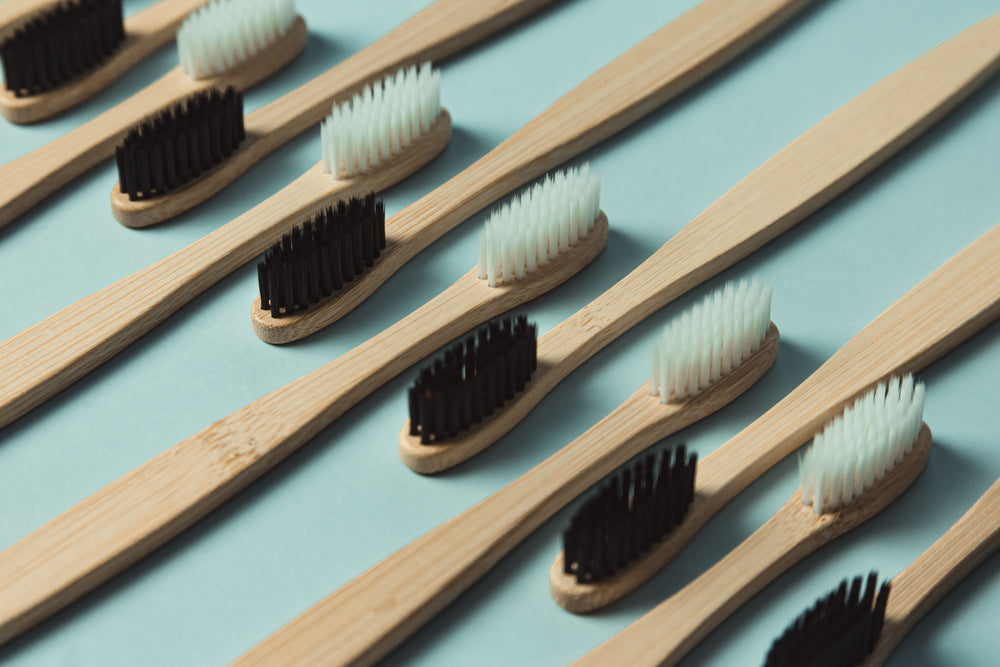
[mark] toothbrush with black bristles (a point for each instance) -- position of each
(225, 43)
(56, 56)
(135, 514)
(852, 630)
(803, 176)
(856, 466)
(732, 344)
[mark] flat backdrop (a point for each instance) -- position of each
(345, 501)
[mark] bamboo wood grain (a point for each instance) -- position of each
(667, 633)
(943, 310)
(365, 619)
(14, 13)
(119, 524)
(27, 180)
(802, 177)
(48, 356)
(634, 84)
(443, 29)
(915, 590)
(145, 32)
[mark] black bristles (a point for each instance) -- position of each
(315, 260)
(633, 510)
(177, 145)
(61, 44)
(838, 631)
(473, 379)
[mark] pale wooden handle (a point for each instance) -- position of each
(13, 13)
(52, 354)
(357, 624)
(633, 85)
(27, 180)
(950, 559)
(674, 627)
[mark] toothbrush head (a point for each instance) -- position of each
(174, 147)
(839, 630)
(61, 44)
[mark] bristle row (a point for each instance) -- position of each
(633, 510)
(472, 379)
(61, 44)
(538, 225)
(838, 630)
(316, 259)
(226, 33)
(380, 121)
(177, 145)
(706, 342)
(859, 448)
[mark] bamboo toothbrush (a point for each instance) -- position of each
(670, 61)
(65, 346)
(864, 630)
(39, 87)
(443, 29)
(856, 467)
(98, 326)
(944, 309)
(801, 178)
(228, 43)
(366, 618)
(141, 510)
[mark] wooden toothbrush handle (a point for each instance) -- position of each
(13, 13)
(669, 631)
(366, 618)
(50, 355)
(919, 587)
(27, 180)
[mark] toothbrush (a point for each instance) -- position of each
(858, 465)
(368, 617)
(827, 630)
(227, 43)
(65, 346)
(29, 96)
(13, 13)
(443, 29)
(690, 48)
(799, 179)
(958, 299)
(135, 514)
(670, 60)
(98, 326)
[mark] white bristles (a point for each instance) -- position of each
(706, 342)
(225, 33)
(380, 121)
(539, 224)
(857, 449)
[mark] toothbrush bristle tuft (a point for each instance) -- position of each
(633, 510)
(539, 224)
(709, 340)
(61, 44)
(472, 379)
(178, 144)
(226, 33)
(839, 630)
(858, 448)
(380, 121)
(315, 260)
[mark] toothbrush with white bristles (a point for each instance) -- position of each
(850, 629)
(226, 43)
(379, 608)
(132, 516)
(858, 465)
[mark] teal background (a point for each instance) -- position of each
(345, 501)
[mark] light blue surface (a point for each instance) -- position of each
(345, 501)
